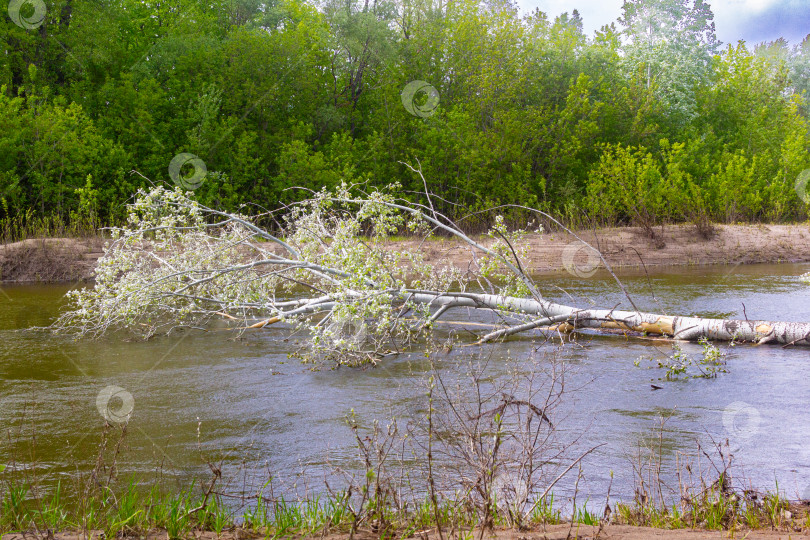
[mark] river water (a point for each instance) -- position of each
(247, 404)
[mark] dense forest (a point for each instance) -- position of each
(650, 120)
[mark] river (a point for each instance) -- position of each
(247, 404)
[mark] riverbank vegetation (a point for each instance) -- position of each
(645, 122)
(130, 509)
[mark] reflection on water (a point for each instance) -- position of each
(255, 407)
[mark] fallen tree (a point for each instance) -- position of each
(331, 273)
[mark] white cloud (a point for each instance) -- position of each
(751, 20)
(747, 6)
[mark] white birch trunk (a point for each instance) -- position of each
(684, 328)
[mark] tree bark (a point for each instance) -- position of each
(684, 328)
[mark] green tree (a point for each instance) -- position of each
(670, 47)
(799, 64)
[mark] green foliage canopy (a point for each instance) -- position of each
(647, 121)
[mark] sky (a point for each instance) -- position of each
(751, 20)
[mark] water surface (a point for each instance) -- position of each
(246, 403)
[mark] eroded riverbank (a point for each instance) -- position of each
(60, 259)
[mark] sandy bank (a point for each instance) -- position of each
(628, 247)
(49, 260)
(60, 259)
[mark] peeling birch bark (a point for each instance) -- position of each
(683, 328)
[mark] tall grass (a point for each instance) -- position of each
(138, 508)
(31, 224)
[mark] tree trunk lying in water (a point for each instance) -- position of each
(180, 264)
(567, 318)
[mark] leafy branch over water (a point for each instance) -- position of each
(330, 273)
